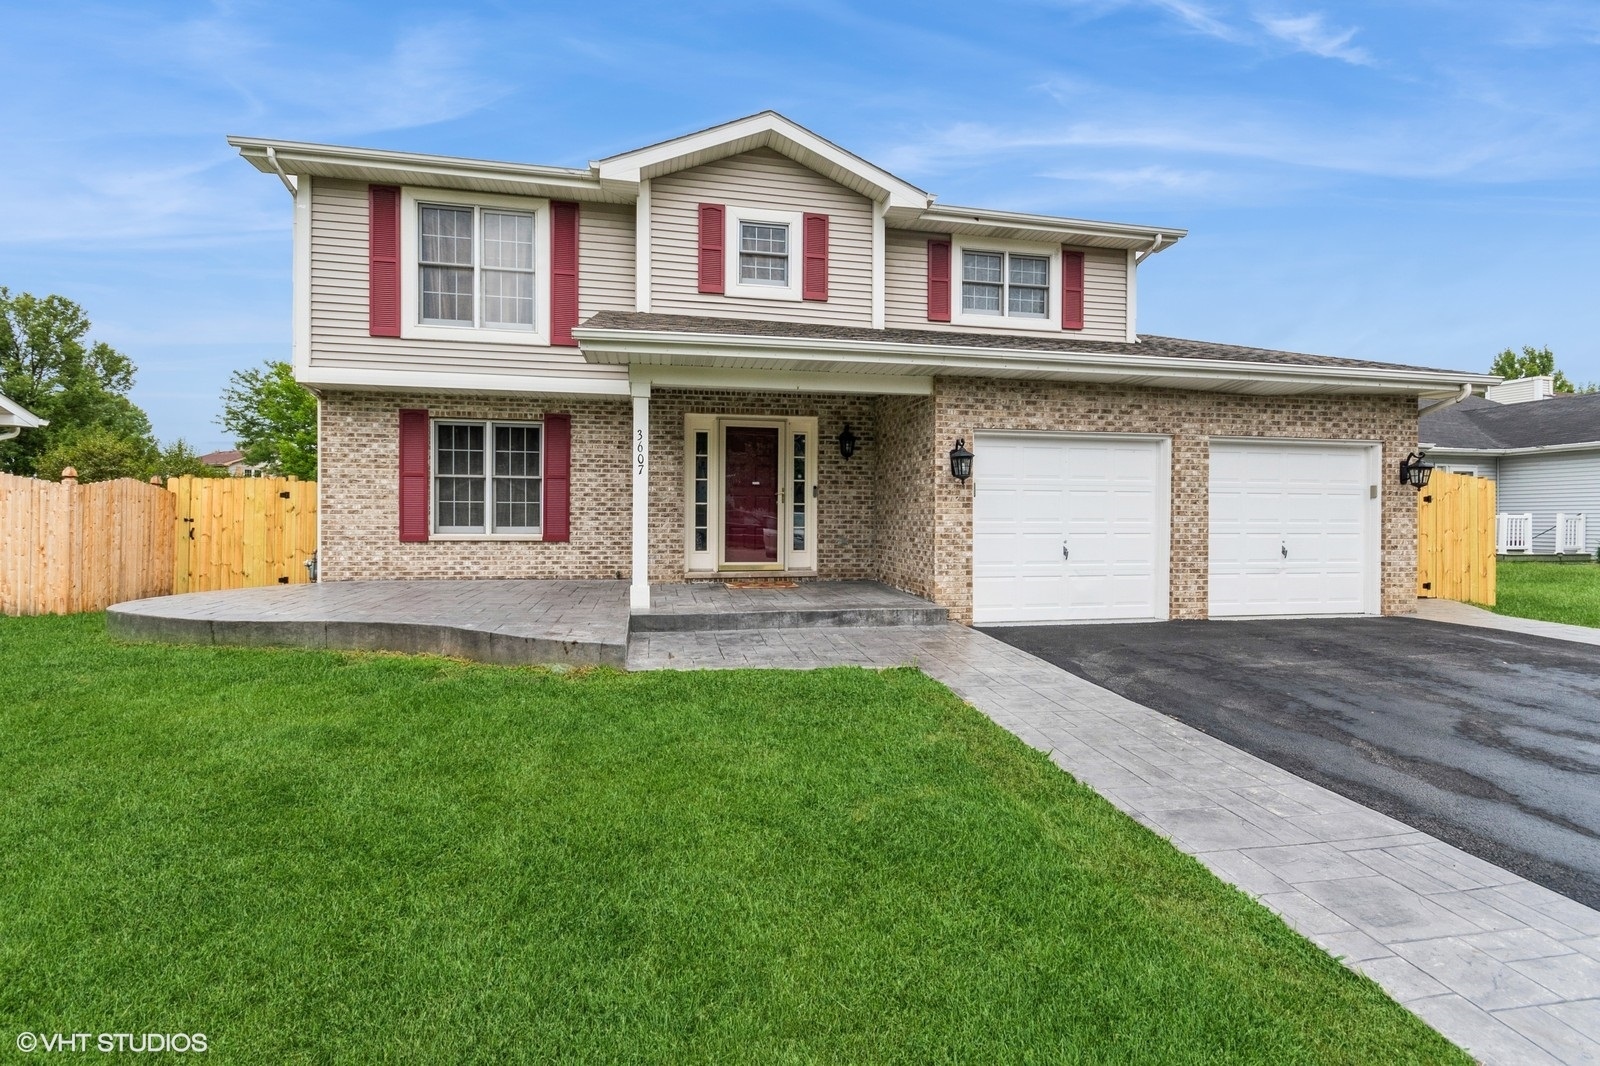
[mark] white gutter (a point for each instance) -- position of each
(931, 359)
(1537, 449)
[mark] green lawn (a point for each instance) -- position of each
(1553, 592)
(313, 857)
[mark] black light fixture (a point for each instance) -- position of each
(847, 442)
(960, 460)
(1415, 470)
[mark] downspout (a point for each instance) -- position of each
(10, 434)
(1466, 390)
(272, 157)
(1155, 246)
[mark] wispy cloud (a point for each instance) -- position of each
(1309, 33)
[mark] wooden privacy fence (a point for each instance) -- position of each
(240, 532)
(1456, 539)
(67, 547)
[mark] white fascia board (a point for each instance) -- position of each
(630, 166)
(326, 377)
(933, 359)
(943, 216)
(711, 377)
(13, 413)
(412, 168)
(1540, 449)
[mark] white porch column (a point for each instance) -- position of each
(639, 591)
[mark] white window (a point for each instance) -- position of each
(763, 253)
(762, 257)
(1013, 284)
(1006, 284)
(488, 477)
(474, 265)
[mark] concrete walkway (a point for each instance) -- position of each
(1506, 969)
(1464, 614)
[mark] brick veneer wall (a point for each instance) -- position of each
(359, 456)
(908, 466)
(845, 529)
(964, 407)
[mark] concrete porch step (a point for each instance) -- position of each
(714, 607)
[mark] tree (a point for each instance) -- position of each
(179, 460)
(1533, 362)
(47, 367)
(98, 453)
(273, 419)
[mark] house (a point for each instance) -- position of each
(232, 461)
(14, 418)
(748, 351)
(1542, 449)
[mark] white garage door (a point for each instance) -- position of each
(1068, 529)
(1291, 529)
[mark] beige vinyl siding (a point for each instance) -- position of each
(339, 296)
(762, 178)
(1105, 290)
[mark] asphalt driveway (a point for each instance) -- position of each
(1488, 740)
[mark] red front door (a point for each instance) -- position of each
(750, 495)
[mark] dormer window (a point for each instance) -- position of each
(1005, 283)
(763, 253)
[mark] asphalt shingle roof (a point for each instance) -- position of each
(1480, 423)
(1172, 347)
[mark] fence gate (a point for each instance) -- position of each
(240, 532)
(1456, 538)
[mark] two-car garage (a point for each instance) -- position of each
(1078, 527)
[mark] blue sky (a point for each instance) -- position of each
(1410, 180)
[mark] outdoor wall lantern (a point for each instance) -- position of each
(960, 461)
(1415, 470)
(847, 442)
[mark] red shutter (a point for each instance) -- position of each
(563, 272)
(938, 281)
(712, 247)
(413, 475)
(557, 477)
(383, 260)
(814, 277)
(1071, 289)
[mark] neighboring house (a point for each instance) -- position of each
(232, 461)
(14, 418)
(1542, 448)
(747, 350)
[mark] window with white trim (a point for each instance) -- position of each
(1009, 284)
(475, 266)
(488, 477)
(763, 253)
(762, 249)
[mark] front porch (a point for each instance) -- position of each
(512, 622)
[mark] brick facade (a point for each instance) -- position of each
(964, 407)
(359, 456)
(892, 512)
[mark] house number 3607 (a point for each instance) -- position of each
(638, 453)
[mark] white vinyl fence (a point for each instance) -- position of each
(1513, 534)
(1571, 534)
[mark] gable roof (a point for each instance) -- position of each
(226, 457)
(613, 337)
(765, 129)
(13, 413)
(1483, 425)
(617, 179)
